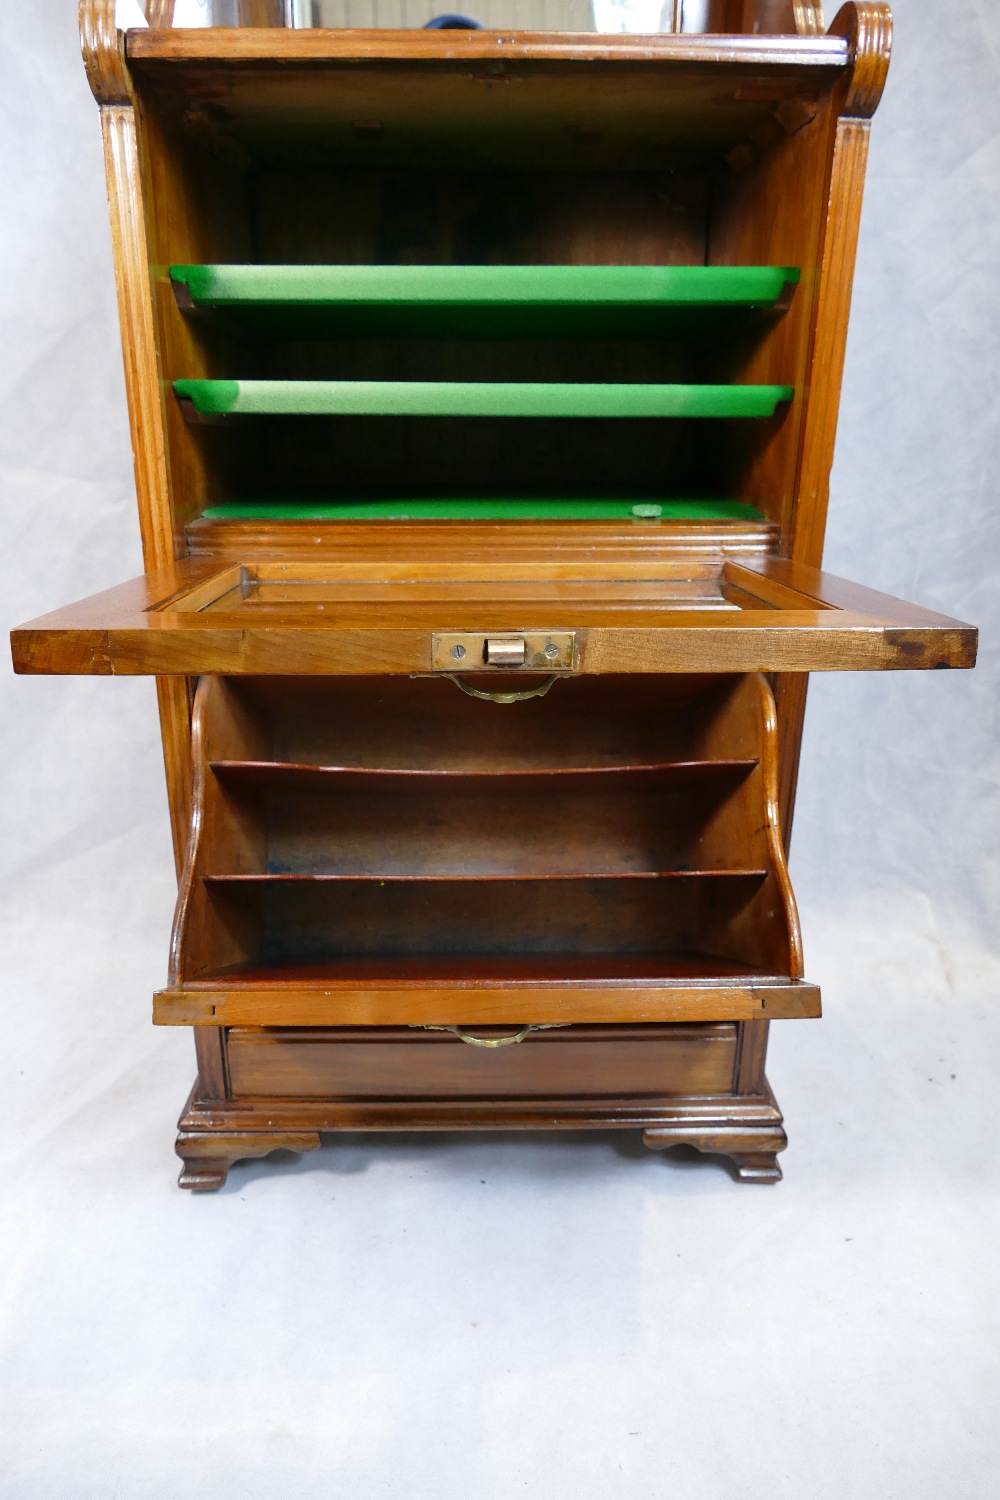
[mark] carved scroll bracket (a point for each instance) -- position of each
(867, 25)
(103, 50)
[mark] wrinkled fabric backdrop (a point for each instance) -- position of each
(470, 1316)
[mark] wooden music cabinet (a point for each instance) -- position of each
(483, 391)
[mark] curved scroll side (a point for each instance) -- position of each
(867, 25)
(103, 53)
(192, 857)
(775, 842)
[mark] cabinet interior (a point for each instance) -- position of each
(388, 164)
(611, 829)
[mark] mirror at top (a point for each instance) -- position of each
(644, 17)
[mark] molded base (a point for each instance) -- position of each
(208, 1155)
(749, 1133)
(747, 1128)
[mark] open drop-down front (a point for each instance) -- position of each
(202, 616)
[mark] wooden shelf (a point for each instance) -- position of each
(273, 773)
(485, 968)
(306, 824)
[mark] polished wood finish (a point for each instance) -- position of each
(111, 85)
(747, 1129)
(389, 1063)
(153, 50)
(698, 544)
(160, 13)
(563, 1001)
(401, 906)
(196, 617)
(548, 867)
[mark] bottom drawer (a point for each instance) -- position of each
(410, 1063)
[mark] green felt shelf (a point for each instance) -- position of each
(352, 301)
(483, 509)
(487, 286)
(447, 398)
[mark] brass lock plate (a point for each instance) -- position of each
(504, 651)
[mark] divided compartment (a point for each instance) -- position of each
(470, 371)
(419, 173)
(396, 832)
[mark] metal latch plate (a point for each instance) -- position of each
(544, 651)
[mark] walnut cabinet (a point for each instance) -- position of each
(483, 390)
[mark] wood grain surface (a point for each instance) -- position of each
(143, 627)
(363, 854)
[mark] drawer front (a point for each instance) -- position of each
(410, 1063)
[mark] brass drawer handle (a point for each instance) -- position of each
(490, 1041)
(517, 696)
(495, 1041)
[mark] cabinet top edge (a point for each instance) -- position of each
(261, 46)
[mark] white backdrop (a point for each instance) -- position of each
(429, 1317)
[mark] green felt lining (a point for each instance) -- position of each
(448, 398)
(483, 509)
(486, 286)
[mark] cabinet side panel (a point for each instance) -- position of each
(210, 1049)
(790, 477)
(751, 1056)
(840, 243)
(142, 376)
(769, 209)
(172, 696)
(145, 408)
(195, 211)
